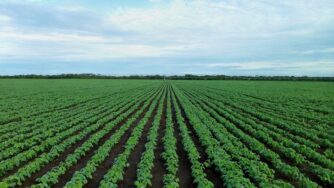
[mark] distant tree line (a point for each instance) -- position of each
(175, 77)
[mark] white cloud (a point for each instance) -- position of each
(155, 1)
(4, 18)
(119, 51)
(242, 65)
(76, 47)
(317, 51)
(231, 17)
(49, 37)
(253, 33)
(256, 65)
(222, 28)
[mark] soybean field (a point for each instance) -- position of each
(109, 133)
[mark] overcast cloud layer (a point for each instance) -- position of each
(118, 37)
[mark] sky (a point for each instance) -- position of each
(127, 37)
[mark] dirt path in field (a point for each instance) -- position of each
(159, 169)
(184, 171)
(211, 173)
(82, 162)
(134, 158)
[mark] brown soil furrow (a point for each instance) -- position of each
(159, 169)
(11, 172)
(67, 107)
(303, 169)
(68, 121)
(184, 171)
(119, 148)
(69, 173)
(63, 155)
(211, 173)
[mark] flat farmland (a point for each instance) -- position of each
(166, 133)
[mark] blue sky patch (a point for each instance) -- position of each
(117, 37)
